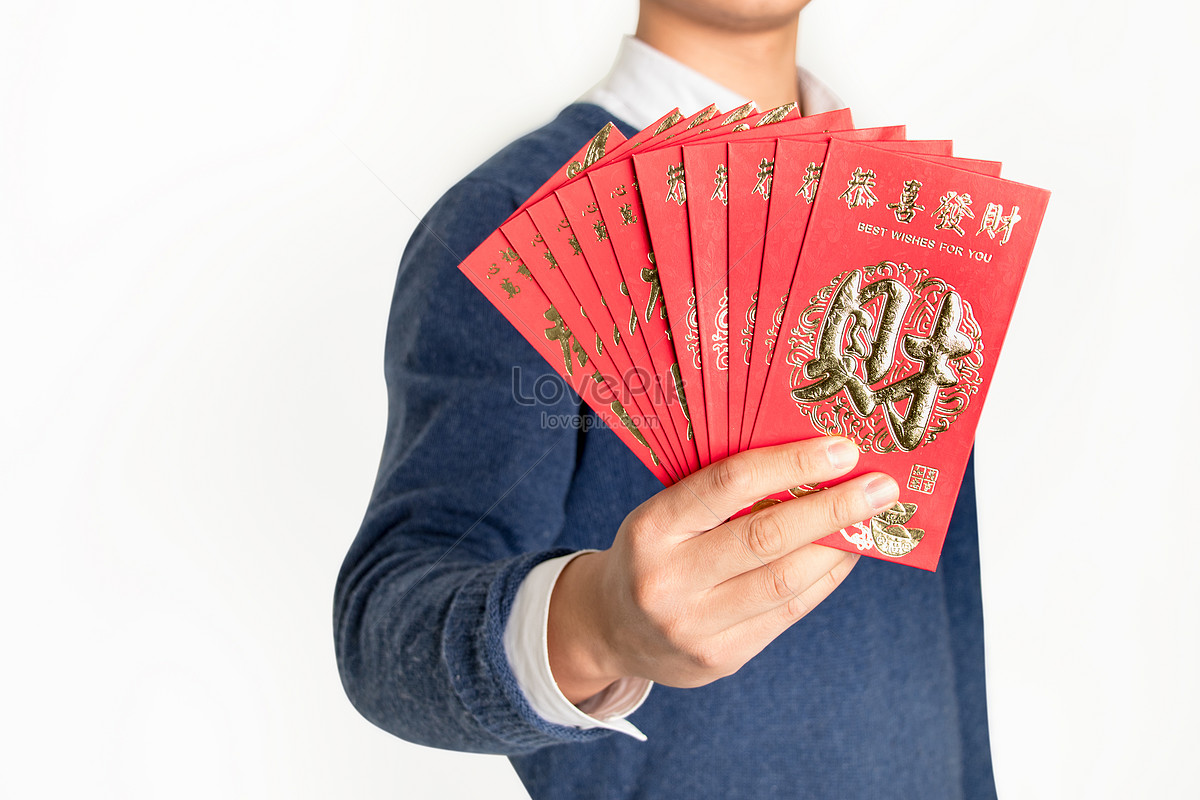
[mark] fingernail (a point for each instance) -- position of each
(881, 493)
(842, 454)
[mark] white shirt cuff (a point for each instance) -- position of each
(529, 656)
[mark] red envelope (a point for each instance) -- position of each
(637, 388)
(663, 187)
(542, 262)
(751, 179)
(889, 296)
(797, 173)
(793, 225)
(896, 315)
(800, 159)
(634, 269)
(708, 227)
(496, 270)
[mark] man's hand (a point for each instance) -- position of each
(684, 599)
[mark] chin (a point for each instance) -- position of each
(742, 15)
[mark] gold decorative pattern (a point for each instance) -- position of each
(775, 115)
(703, 117)
(739, 113)
(691, 339)
(886, 532)
(890, 535)
(594, 152)
(773, 329)
(681, 397)
(880, 338)
(618, 409)
(720, 336)
(667, 123)
(748, 330)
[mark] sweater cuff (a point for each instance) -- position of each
(526, 646)
(473, 649)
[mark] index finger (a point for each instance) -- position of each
(706, 498)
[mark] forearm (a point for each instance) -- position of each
(420, 651)
(469, 497)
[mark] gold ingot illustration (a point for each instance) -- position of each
(889, 533)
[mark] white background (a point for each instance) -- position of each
(196, 275)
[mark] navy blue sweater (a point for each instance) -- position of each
(878, 693)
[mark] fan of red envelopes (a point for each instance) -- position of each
(727, 281)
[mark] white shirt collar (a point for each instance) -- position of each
(645, 83)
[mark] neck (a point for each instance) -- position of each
(757, 61)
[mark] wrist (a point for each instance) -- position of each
(580, 660)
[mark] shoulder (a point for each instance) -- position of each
(482, 200)
(525, 164)
(430, 290)
(478, 204)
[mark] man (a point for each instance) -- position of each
(517, 589)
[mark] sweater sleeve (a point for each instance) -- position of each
(469, 497)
